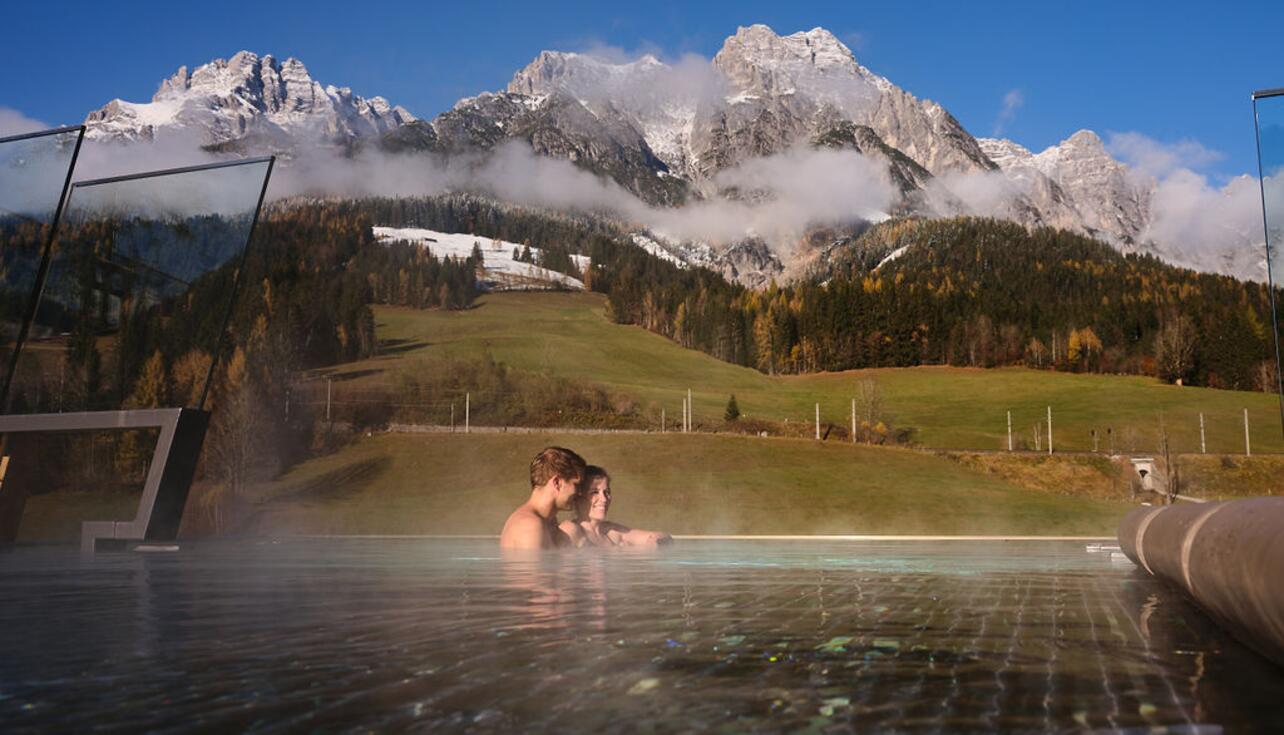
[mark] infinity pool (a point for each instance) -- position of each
(446, 635)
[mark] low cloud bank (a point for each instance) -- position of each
(776, 198)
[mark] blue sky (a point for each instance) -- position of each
(1176, 72)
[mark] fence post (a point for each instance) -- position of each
(817, 422)
(1203, 445)
(853, 421)
(1049, 429)
(467, 411)
(1009, 431)
(1248, 447)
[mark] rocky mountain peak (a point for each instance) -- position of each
(248, 96)
(756, 60)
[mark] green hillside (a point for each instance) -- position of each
(569, 335)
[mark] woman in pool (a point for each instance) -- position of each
(590, 527)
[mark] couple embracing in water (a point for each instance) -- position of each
(562, 480)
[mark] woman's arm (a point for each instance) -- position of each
(625, 536)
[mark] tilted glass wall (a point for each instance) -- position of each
(35, 171)
(1268, 108)
(143, 271)
(132, 315)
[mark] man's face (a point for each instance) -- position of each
(567, 490)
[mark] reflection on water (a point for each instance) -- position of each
(395, 634)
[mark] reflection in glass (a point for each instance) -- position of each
(1268, 108)
(35, 170)
(104, 483)
(139, 287)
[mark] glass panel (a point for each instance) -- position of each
(1270, 142)
(34, 170)
(138, 291)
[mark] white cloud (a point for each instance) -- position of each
(13, 122)
(1158, 159)
(1012, 101)
(1205, 226)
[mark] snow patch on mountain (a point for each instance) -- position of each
(502, 271)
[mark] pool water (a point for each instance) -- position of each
(448, 635)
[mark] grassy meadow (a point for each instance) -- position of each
(725, 483)
(569, 335)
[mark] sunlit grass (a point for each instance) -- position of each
(568, 334)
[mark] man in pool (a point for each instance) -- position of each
(556, 474)
(590, 527)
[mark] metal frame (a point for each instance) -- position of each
(1266, 232)
(169, 474)
(46, 252)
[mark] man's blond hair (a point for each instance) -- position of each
(557, 462)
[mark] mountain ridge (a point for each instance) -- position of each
(674, 133)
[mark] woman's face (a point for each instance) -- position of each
(596, 500)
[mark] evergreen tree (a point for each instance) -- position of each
(733, 411)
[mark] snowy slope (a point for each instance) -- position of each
(502, 271)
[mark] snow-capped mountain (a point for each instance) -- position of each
(763, 94)
(676, 134)
(1079, 180)
(247, 98)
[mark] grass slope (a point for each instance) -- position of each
(568, 334)
(455, 483)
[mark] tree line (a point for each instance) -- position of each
(969, 292)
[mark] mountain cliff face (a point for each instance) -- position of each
(1087, 188)
(247, 98)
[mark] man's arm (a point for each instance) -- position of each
(522, 531)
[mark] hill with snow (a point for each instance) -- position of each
(503, 271)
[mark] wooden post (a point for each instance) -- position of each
(853, 421)
(468, 397)
(1248, 447)
(1009, 431)
(690, 412)
(1049, 429)
(1203, 446)
(817, 422)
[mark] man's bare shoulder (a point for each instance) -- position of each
(524, 529)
